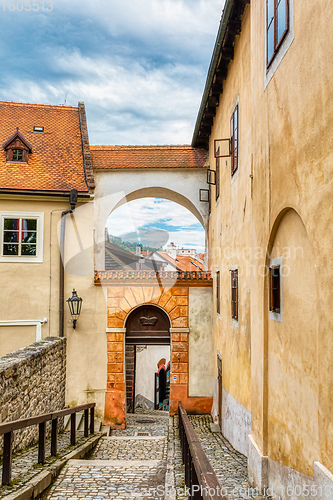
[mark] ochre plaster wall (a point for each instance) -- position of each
(292, 377)
(285, 161)
(230, 229)
(32, 293)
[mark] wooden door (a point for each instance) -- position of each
(220, 389)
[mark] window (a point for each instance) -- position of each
(234, 120)
(218, 292)
(277, 25)
(275, 289)
(217, 177)
(39, 129)
(234, 294)
(17, 154)
(21, 237)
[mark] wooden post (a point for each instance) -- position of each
(7, 458)
(73, 428)
(54, 437)
(41, 443)
(86, 422)
(92, 420)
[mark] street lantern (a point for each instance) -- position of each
(74, 304)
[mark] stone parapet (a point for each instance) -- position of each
(32, 382)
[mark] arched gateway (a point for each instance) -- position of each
(147, 352)
(184, 300)
(126, 173)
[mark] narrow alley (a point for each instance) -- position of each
(144, 461)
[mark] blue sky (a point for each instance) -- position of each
(140, 66)
(181, 227)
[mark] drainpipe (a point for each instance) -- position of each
(72, 202)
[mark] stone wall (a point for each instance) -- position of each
(32, 382)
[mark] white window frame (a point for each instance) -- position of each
(39, 216)
(275, 263)
(284, 47)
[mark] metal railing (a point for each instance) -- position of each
(200, 477)
(7, 430)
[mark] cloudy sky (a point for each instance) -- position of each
(180, 226)
(139, 65)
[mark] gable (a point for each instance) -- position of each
(56, 162)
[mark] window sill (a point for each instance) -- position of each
(17, 260)
(18, 162)
(235, 175)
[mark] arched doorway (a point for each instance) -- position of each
(147, 345)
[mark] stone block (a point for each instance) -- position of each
(115, 368)
(181, 322)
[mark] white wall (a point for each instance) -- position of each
(115, 187)
(146, 366)
(201, 342)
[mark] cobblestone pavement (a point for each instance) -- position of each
(229, 465)
(25, 465)
(123, 465)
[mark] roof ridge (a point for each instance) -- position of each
(14, 103)
(143, 146)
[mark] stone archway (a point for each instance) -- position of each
(147, 341)
(126, 291)
(114, 188)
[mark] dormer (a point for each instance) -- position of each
(17, 148)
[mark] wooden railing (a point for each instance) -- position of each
(7, 429)
(200, 477)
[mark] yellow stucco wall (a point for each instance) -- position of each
(280, 371)
(30, 291)
(229, 230)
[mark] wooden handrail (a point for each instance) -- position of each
(200, 477)
(7, 430)
(27, 422)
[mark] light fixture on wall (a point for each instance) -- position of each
(74, 304)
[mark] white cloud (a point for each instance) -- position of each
(140, 66)
(152, 211)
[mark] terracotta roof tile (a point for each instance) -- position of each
(178, 156)
(56, 161)
(102, 277)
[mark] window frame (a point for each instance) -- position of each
(39, 217)
(217, 177)
(275, 314)
(234, 165)
(234, 295)
(284, 46)
(275, 20)
(218, 292)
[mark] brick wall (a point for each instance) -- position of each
(32, 381)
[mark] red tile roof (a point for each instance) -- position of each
(178, 156)
(182, 262)
(187, 263)
(56, 162)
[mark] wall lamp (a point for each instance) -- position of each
(74, 304)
